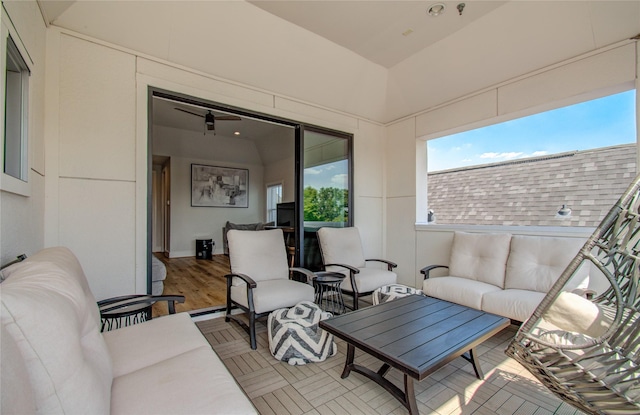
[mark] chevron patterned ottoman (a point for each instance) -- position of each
(294, 335)
(391, 292)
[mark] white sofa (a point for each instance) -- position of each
(504, 274)
(55, 360)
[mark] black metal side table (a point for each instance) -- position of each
(328, 293)
(127, 310)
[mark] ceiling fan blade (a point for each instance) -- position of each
(227, 118)
(189, 112)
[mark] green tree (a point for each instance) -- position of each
(329, 204)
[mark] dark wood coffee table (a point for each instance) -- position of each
(416, 335)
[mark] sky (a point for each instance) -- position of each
(599, 123)
(327, 175)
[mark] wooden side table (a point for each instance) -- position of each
(328, 293)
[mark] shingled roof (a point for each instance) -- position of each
(530, 191)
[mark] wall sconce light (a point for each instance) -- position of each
(431, 216)
(564, 212)
(460, 8)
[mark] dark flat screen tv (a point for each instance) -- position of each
(286, 214)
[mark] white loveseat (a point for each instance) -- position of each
(504, 274)
(55, 360)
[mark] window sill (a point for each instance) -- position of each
(518, 230)
(12, 185)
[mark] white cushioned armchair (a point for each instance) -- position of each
(259, 280)
(342, 252)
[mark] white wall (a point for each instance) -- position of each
(22, 217)
(189, 223)
(282, 171)
(97, 194)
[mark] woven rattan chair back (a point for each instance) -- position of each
(599, 375)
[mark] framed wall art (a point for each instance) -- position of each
(215, 186)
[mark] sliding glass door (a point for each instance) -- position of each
(327, 183)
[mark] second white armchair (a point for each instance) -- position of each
(342, 252)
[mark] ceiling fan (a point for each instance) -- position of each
(210, 119)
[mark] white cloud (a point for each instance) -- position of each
(312, 171)
(540, 153)
(340, 180)
(504, 156)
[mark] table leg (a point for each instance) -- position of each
(348, 364)
(473, 359)
(384, 369)
(410, 395)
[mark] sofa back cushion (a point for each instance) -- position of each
(51, 319)
(18, 396)
(259, 254)
(536, 262)
(480, 256)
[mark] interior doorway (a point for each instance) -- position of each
(186, 131)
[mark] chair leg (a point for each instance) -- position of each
(355, 300)
(226, 317)
(252, 330)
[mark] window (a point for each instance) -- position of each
(523, 172)
(274, 196)
(327, 179)
(15, 156)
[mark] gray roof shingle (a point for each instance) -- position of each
(530, 191)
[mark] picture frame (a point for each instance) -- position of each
(217, 186)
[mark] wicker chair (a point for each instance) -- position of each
(588, 354)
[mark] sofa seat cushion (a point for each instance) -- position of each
(571, 312)
(136, 347)
(458, 290)
(514, 304)
(194, 382)
(481, 257)
(536, 262)
(271, 295)
(368, 279)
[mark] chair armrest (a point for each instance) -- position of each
(390, 265)
(250, 282)
(121, 303)
(428, 268)
(306, 272)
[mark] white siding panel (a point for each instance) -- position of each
(607, 69)
(369, 222)
(476, 108)
(97, 222)
(97, 111)
(368, 154)
(206, 87)
(401, 157)
(315, 115)
(401, 238)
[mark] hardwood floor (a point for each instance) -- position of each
(201, 281)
